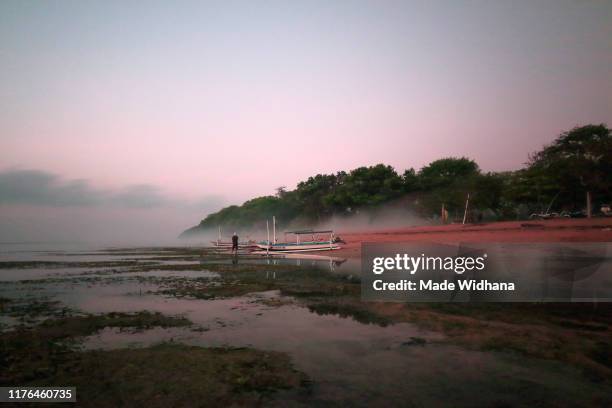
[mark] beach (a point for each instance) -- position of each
(556, 230)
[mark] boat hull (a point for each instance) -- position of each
(306, 247)
(229, 244)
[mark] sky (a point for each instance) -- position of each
(137, 118)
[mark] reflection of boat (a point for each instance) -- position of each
(301, 259)
(320, 240)
(308, 257)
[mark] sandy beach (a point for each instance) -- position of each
(559, 230)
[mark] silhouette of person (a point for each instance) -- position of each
(235, 243)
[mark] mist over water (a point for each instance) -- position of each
(112, 225)
(39, 206)
(392, 215)
(96, 227)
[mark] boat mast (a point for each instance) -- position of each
(274, 228)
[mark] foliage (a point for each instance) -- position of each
(577, 161)
(447, 171)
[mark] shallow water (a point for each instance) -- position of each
(12, 275)
(354, 363)
(350, 363)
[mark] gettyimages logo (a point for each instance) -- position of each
(413, 264)
(487, 272)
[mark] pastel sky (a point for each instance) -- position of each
(187, 106)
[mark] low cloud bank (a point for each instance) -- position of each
(41, 206)
(35, 187)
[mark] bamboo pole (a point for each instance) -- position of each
(588, 204)
(268, 230)
(467, 202)
(274, 228)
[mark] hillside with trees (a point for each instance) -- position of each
(577, 164)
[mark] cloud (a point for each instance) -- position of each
(41, 206)
(40, 188)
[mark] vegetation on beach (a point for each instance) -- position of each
(176, 375)
(161, 375)
(578, 334)
(574, 336)
(578, 161)
(239, 280)
(84, 325)
(27, 351)
(89, 324)
(3, 303)
(353, 310)
(28, 311)
(57, 265)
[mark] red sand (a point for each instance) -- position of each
(559, 230)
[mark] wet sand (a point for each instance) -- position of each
(559, 230)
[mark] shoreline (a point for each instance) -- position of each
(558, 230)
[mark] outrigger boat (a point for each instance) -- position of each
(228, 244)
(241, 244)
(316, 242)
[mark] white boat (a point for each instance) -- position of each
(219, 243)
(241, 244)
(320, 240)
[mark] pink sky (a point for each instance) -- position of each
(207, 99)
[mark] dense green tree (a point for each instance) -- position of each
(444, 172)
(312, 193)
(367, 186)
(578, 161)
(411, 181)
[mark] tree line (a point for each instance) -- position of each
(557, 178)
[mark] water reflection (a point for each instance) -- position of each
(354, 359)
(322, 262)
(303, 260)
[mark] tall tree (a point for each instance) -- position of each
(444, 172)
(578, 163)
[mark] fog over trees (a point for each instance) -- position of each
(558, 176)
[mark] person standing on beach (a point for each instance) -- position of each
(235, 243)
